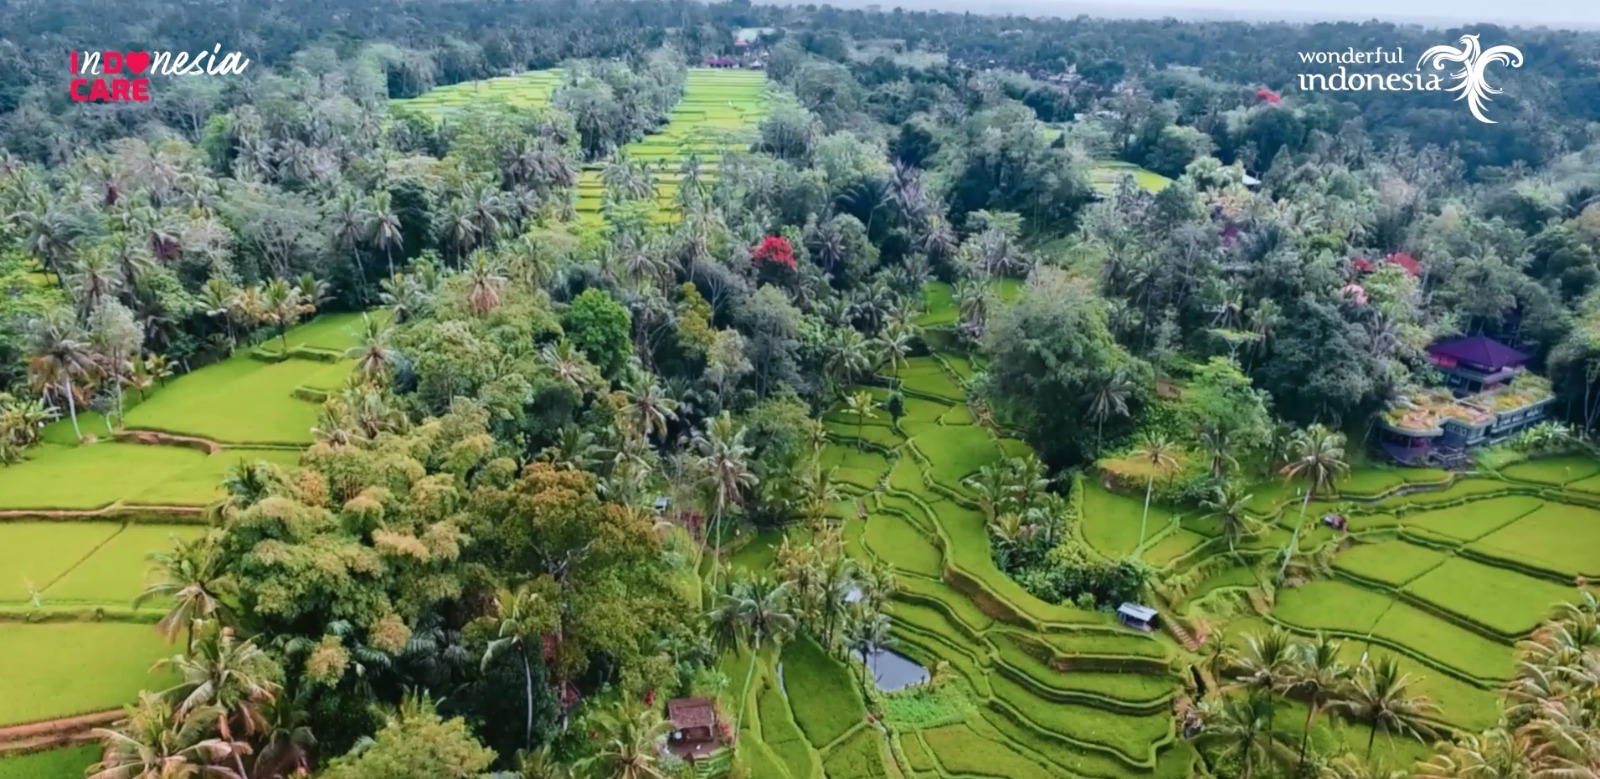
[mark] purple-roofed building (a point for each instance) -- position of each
(1492, 397)
(1476, 364)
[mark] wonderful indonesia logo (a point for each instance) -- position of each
(123, 76)
(1467, 66)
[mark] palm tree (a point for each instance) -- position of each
(1496, 753)
(156, 741)
(1218, 445)
(347, 218)
(374, 357)
(649, 407)
(288, 742)
(1263, 666)
(569, 364)
(1229, 506)
(893, 344)
(761, 611)
(1160, 453)
(229, 677)
(192, 575)
(628, 744)
(1380, 696)
(383, 228)
(60, 354)
(217, 299)
(1240, 727)
(485, 279)
(848, 356)
(860, 406)
(522, 617)
(282, 307)
(868, 634)
(724, 459)
(1319, 459)
(1317, 676)
(1109, 398)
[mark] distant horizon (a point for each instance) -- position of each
(1554, 14)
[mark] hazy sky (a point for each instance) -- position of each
(1527, 13)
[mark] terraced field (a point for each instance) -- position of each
(525, 90)
(1050, 690)
(1446, 576)
(1106, 174)
(720, 111)
(77, 522)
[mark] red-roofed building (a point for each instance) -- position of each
(721, 62)
(1406, 261)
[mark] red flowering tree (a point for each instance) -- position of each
(775, 249)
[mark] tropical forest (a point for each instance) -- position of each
(656, 389)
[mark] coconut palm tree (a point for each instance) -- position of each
(282, 306)
(348, 220)
(849, 356)
(192, 575)
(521, 617)
(1496, 753)
(764, 617)
(724, 460)
(485, 280)
(383, 227)
(1264, 665)
(226, 676)
(1108, 399)
(1241, 728)
(627, 744)
(860, 406)
(649, 407)
(158, 742)
(286, 748)
(867, 634)
(1229, 505)
(1316, 676)
(1380, 696)
(1161, 454)
(59, 354)
(374, 357)
(569, 364)
(893, 344)
(1318, 458)
(1218, 445)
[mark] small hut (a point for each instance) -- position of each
(1335, 521)
(1136, 616)
(694, 727)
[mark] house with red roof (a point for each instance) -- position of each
(1402, 259)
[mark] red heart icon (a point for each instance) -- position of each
(137, 61)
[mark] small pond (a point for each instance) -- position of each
(893, 671)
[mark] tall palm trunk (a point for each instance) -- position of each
(1305, 738)
(755, 649)
(1149, 488)
(527, 677)
(1294, 538)
(72, 405)
(1371, 737)
(388, 254)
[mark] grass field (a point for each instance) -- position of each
(1106, 174)
(76, 567)
(525, 90)
(720, 111)
(76, 667)
(1556, 537)
(91, 476)
(66, 763)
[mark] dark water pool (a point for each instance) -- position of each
(893, 671)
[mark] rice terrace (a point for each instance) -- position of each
(758, 396)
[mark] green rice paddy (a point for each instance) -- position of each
(525, 90)
(68, 579)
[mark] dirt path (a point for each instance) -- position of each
(105, 512)
(78, 723)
